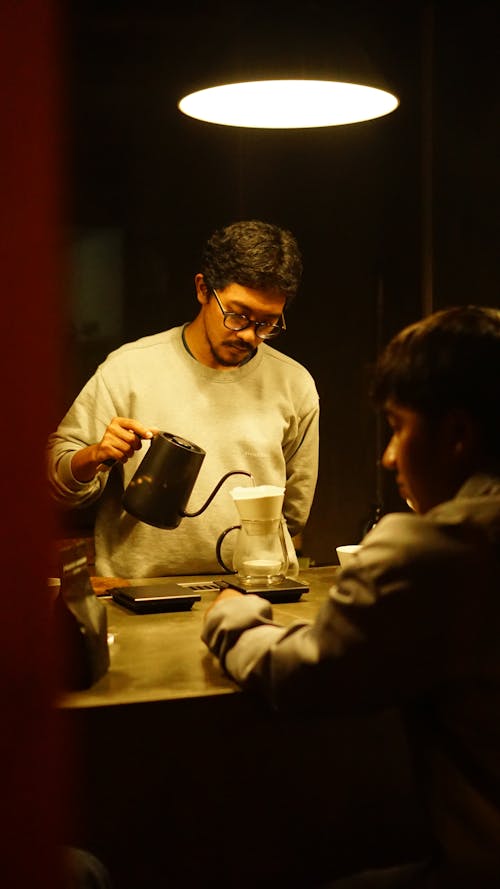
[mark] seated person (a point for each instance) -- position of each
(414, 620)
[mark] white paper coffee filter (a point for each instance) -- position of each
(262, 502)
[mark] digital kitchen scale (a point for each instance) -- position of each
(286, 590)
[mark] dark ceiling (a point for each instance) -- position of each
(135, 160)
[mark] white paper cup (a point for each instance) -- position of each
(259, 503)
(346, 554)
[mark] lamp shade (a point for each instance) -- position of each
(288, 65)
(288, 103)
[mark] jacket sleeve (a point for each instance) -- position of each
(395, 621)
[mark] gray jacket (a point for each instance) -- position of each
(414, 622)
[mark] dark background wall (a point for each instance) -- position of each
(394, 216)
(34, 758)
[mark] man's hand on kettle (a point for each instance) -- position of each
(122, 437)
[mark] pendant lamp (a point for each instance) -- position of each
(288, 103)
(286, 66)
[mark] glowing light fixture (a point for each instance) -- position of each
(288, 104)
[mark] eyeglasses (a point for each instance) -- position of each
(234, 321)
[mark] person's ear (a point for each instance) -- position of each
(202, 291)
(462, 435)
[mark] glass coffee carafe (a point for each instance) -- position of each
(260, 553)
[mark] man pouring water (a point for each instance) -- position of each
(215, 381)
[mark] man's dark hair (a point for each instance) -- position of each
(254, 254)
(450, 359)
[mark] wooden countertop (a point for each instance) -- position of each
(188, 761)
(160, 657)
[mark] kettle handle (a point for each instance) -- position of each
(218, 546)
(219, 484)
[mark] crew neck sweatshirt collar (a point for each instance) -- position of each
(223, 376)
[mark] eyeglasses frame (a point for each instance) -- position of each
(256, 324)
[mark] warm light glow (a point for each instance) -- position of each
(287, 104)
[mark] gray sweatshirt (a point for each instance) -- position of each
(261, 417)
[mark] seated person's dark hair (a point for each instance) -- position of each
(449, 360)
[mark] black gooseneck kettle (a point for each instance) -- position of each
(161, 486)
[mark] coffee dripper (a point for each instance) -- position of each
(260, 557)
(260, 554)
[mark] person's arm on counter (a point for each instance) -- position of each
(354, 645)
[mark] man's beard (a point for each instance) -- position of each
(241, 354)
